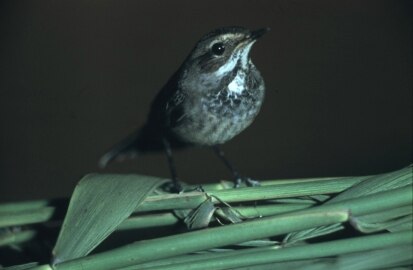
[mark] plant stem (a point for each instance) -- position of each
(175, 245)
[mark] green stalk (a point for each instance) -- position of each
(12, 238)
(224, 184)
(21, 206)
(169, 246)
(42, 267)
(14, 214)
(175, 245)
(320, 250)
(25, 216)
(194, 199)
(194, 258)
(147, 221)
(167, 219)
(269, 210)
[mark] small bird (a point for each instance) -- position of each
(214, 95)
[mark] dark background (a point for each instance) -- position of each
(77, 76)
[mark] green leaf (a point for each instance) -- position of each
(98, 205)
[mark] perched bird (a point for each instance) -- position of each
(215, 94)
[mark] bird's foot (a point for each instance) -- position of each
(239, 180)
(192, 189)
(174, 186)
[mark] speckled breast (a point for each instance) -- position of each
(219, 116)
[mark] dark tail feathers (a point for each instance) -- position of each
(125, 149)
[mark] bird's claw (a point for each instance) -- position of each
(248, 182)
(174, 187)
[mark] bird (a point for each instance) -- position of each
(214, 95)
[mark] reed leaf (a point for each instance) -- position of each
(98, 205)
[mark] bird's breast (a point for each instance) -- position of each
(218, 116)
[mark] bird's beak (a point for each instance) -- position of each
(251, 38)
(258, 33)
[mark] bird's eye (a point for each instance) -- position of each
(218, 48)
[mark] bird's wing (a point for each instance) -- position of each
(174, 109)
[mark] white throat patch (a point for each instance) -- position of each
(244, 55)
(230, 64)
(237, 85)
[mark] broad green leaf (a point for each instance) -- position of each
(100, 202)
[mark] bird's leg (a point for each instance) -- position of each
(168, 151)
(238, 179)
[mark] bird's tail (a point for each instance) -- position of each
(125, 149)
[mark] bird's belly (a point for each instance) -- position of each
(216, 124)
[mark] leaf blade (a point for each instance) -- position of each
(98, 205)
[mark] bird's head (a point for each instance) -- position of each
(219, 52)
